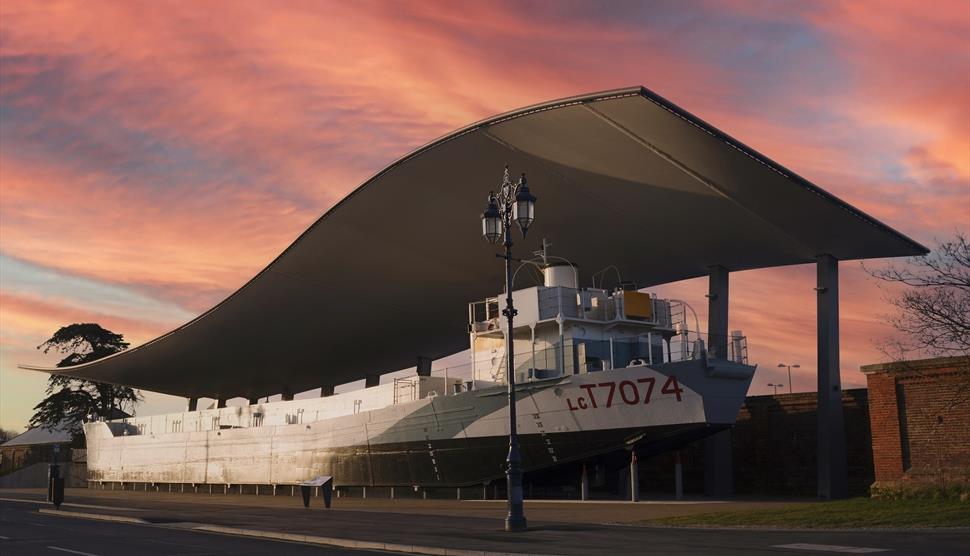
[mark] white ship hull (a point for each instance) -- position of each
(444, 440)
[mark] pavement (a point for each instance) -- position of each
(162, 521)
(25, 532)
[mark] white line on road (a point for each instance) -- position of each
(832, 548)
(71, 551)
(46, 503)
(2, 538)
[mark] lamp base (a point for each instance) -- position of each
(513, 524)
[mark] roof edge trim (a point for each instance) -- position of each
(778, 168)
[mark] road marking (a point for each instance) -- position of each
(832, 548)
(71, 551)
(4, 538)
(101, 517)
(44, 502)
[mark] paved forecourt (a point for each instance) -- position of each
(436, 525)
(24, 532)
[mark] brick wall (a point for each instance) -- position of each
(775, 443)
(774, 449)
(920, 420)
(17, 457)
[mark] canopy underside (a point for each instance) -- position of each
(623, 178)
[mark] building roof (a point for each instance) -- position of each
(39, 435)
(622, 177)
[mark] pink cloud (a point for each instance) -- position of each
(176, 148)
(40, 318)
(196, 249)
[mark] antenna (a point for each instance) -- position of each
(543, 252)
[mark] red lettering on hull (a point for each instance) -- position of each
(630, 393)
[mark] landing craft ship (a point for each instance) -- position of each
(596, 370)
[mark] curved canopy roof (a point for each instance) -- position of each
(623, 178)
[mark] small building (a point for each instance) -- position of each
(920, 418)
(35, 445)
(24, 458)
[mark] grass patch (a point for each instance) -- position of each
(851, 513)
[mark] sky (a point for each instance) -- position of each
(154, 156)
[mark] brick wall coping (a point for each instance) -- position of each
(916, 364)
(807, 399)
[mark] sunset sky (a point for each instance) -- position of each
(156, 155)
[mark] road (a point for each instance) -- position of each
(575, 530)
(25, 532)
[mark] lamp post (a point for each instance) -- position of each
(513, 202)
(790, 367)
(776, 386)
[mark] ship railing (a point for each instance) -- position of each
(483, 315)
(692, 345)
(583, 356)
(572, 303)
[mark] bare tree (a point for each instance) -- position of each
(933, 312)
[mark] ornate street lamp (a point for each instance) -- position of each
(513, 202)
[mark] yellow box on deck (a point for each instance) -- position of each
(637, 305)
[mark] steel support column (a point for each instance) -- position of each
(634, 476)
(584, 485)
(832, 465)
(718, 457)
(719, 465)
(717, 313)
(678, 478)
(424, 366)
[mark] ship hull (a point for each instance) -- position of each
(453, 440)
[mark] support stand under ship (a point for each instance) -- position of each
(597, 370)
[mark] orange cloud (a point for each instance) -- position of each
(176, 148)
(31, 319)
(196, 249)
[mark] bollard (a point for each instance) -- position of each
(55, 485)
